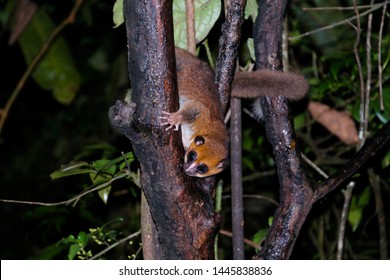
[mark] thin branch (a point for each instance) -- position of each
(246, 241)
(263, 197)
(315, 166)
(344, 215)
(370, 148)
(258, 174)
(74, 199)
(345, 21)
(190, 24)
(236, 175)
(255, 196)
(360, 71)
(337, 8)
(131, 236)
(375, 183)
(368, 80)
(380, 67)
(285, 57)
(4, 112)
(228, 49)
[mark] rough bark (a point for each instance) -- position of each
(297, 192)
(225, 68)
(295, 188)
(236, 183)
(179, 205)
(228, 49)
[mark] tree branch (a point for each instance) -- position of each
(102, 252)
(181, 210)
(190, 25)
(345, 21)
(228, 49)
(371, 147)
(236, 175)
(295, 188)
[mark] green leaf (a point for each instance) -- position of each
(384, 116)
(118, 16)
(82, 238)
(386, 160)
(260, 235)
(355, 216)
(101, 178)
(364, 198)
(270, 221)
(73, 250)
(70, 170)
(69, 239)
(56, 71)
(251, 46)
(103, 194)
(105, 165)
(358, 204)
(206, 14)
(299, 121)
(251, 9)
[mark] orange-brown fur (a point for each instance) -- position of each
(200, 116)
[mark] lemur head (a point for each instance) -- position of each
(205, 157)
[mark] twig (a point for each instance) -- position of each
(344, 215)
(333, 25)
(74, 199)
(263, 197)
(258, 174)
(131, 236)
(218, 208)
(246, 241)
(4, 112)
(368, 80)
(255, 196)
(370, 148)
(337, 8)
(315, 166)
(360, 71)
(286, 62)
(380, 67)
(374, 180)
(190, 24)
(236, 176)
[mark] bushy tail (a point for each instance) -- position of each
(266, 82)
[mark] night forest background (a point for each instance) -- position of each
(69, 183)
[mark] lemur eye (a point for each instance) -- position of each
(199, 140)
(202, 168)
(191, 156)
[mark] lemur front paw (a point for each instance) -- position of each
(171, 119)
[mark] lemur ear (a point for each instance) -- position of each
(199, 140)
(223, 163)
(266, 82)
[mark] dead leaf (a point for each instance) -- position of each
(338, 123)
(23, 14)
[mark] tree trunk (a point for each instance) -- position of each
(297, 192)
(180, 206)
